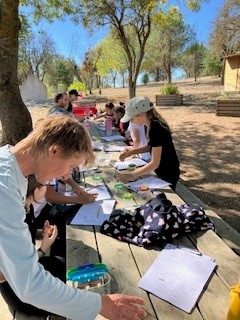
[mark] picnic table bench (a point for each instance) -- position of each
(128, 263)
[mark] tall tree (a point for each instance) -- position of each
(169, 37)
(192, 60)
(36, 52)
(111, 61)
(120, 15)
(15, 117)
(225, 37)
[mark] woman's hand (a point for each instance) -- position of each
(122, 307)
(125, 177)
(125, 155)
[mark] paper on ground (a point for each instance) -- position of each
(152, 183)
(102, 191)
(113, 138)
(94, 214)
(121, 165)
(178, 275)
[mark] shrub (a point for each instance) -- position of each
(169, 88)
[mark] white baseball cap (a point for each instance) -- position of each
(136, 106)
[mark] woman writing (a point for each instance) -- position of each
(164, 160)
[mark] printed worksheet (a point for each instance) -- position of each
(94, 214)
(178, 276)
(117, 137)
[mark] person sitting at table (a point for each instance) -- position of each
(46, 154)
(164, 160)
(61, 106)
(109, 112)
(139, 139)
(72, 96)
(119, 112)
(56, 265)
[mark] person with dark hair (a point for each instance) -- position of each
(61, 106)
(109, 112)
(164, 160)
(72, 96)
(56, 146)
(118, 114)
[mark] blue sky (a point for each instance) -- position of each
(64, 32)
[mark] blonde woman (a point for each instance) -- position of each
(56, 146)
(164, 160)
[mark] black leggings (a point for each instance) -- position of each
(53, 265)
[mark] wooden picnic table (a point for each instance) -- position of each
(127, 263)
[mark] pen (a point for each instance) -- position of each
(193, 251)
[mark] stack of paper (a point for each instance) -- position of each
(113, 148)
(94, 214)
(97, 145)
(121, 165)
(113, 138)
(152, 183)
(178, 275)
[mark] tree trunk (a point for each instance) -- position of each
(132, 88)
(15, 117)
(157, 74)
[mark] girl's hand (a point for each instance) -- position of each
(125, 155)
(79, 191)
(49, 236)
(87, 198)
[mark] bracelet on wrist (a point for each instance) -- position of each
(42, 252)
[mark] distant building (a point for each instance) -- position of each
(33, 89)
(232, 72)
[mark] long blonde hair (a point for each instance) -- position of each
(62, 131)
(154, 115)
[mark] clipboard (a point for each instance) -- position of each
(178, 276)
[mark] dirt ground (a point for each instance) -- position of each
(208, 146)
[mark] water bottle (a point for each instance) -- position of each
(108, 126)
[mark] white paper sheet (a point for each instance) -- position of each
(117, 137)
(94, 214)
(178, 275)
(102, 191)
(121, 165)
(83, 169)
(97, 145)
(152, 183)
(114, 147)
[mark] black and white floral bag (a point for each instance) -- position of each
(157, 222)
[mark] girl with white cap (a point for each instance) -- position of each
(164, 160)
